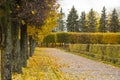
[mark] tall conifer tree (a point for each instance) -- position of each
(103, 21)
(92, 21)
(114, 22)
(61, 25)
(83, 22)
(72, 21)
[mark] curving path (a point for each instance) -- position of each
(83, 68)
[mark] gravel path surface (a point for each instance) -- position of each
(83, 68)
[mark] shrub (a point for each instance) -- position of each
(83, 38)
(106, 52)
(77, 47)
(50, 38)
(62, 37)
(110, 38)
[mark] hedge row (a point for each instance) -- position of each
(106, 52)
(83, 38)
(50, 38)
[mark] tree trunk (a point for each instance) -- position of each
(88, 47)
(16, 56)
(0, 35)
(47, 44)
(32, 45)
(7, 45)
(24, 45)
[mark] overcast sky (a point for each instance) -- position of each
(86, 5)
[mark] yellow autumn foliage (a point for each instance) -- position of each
(42, 67)
(86, 38)
(49, 23)
(33, 12)
(23, 22)
(31, 30)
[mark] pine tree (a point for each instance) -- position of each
(72, 21)
(61, 21)
(103, 21)
(92, 21)
(114, 22)
(83, 22)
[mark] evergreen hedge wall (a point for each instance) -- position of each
(50, 38)
(83, 38)
(105, 52)
(104, 46)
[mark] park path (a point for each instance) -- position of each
(82, 68)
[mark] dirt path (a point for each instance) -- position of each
(83, 68)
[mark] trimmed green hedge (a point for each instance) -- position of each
(50, 38)
(77, 47)
(62, 37)
(99, 45)
(83, 38)
(106, 52)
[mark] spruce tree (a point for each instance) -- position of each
(83, 22)
(114, 22)
(61, 21)
(72, 21)
(103, 21)
(92, 21)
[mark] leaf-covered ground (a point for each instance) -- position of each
(42, 67)
(54, 64)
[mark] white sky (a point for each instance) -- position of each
(86, 5)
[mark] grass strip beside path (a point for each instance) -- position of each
(89, 57)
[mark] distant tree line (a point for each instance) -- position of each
(89, 22)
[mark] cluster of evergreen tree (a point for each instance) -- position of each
(60, 22)
(72, 21)
(90, 22)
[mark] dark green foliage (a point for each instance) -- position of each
(62, 37)
(83, 38)
(92, 21)
(61, 22)
(103, 21)
(72, 21)
(114, 22)
(79, 38)
(83, 23)
(50, 38)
